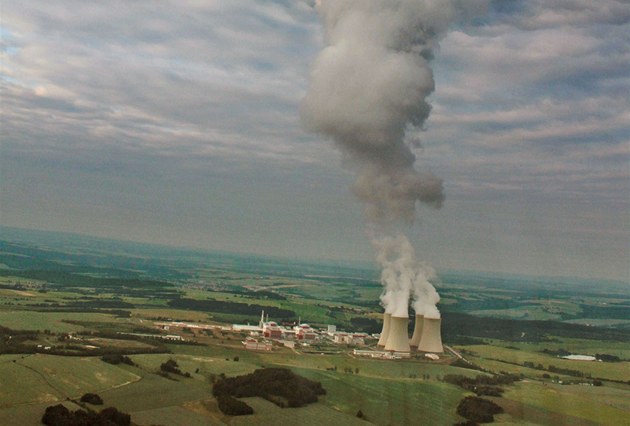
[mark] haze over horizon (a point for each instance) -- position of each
(179, 125)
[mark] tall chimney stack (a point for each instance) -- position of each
(385, 332)
(431, 340)
(417, 332)
(398, 339)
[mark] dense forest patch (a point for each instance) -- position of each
(278, 385)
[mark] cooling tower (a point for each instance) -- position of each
(398, 339)
(417, 332)
(431, 340)
(385, 331)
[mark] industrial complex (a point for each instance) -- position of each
(393, 342)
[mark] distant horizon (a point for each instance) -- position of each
(365, 265)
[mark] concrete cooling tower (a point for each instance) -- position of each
(385, 332)
(431, 340)
(417, 332)
(398, 339)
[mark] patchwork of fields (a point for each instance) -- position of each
(83, 303)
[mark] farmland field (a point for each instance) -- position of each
(606, 370)
(53, 321)
(387, 401)
(49, 378)
(588, 403)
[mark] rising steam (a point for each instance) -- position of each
(368, 88)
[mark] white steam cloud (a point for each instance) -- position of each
(404, 276)
(368, 87)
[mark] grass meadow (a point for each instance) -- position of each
(598, 405)
(604, 370)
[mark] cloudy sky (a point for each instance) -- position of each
(177, 122)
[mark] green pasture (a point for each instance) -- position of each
(389, 402)
(47, 378)
(154, 391)
(31, 320)
(393, 369)
(527, 312)
(176, 416)
(605, 370)
(306, 309)
(318, 414)
(190, 364)
(382, 389)
(21, 385)
(536, 309)
(28, 297)
(577, 346)
(28, 414)
(589, 403)
(175, 314)
(599, 322)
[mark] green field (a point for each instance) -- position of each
(387, 401)
(318, 414)
(605, 370)
(588, 403)
(53, 321)
(49, 378)
(28, 414)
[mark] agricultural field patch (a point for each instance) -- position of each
(576, 346)
(604, 370)
(317, 414)
(46, 378)
(175, 415)
(586, 404)
(169, 314)
(53, 321)
(29, 414)
(387, 401)
(154, 391)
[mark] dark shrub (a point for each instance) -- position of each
(232, 406)
(478, 409)
(58, 415)
(92, 398)
(55, 415)
(607, 358)
(171, 366)
(117, 359)
(116, 417)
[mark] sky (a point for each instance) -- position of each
(177, 122)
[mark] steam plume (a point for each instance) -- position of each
(404, 276)
(368, 87)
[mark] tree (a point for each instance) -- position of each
(478, 409)
(92, 398)
(55, 415)
(232, 406)
(361, 415)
